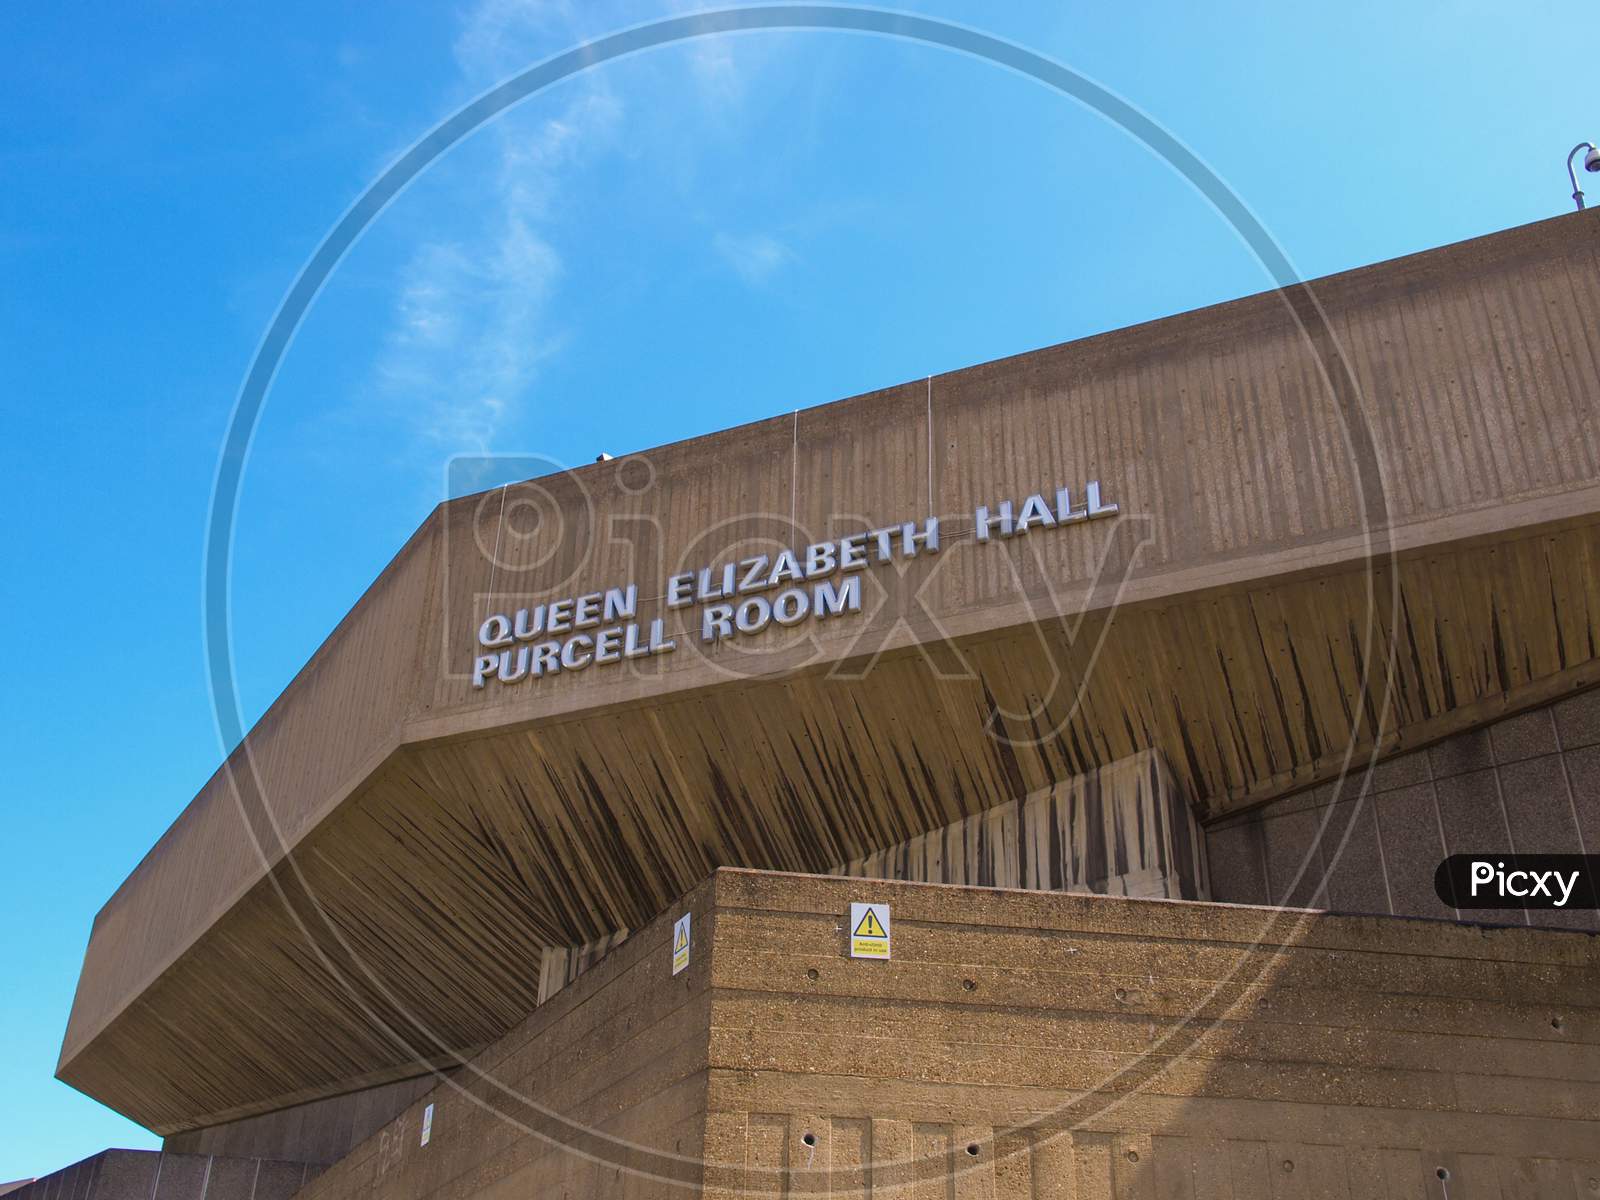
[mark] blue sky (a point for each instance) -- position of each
(704, 235)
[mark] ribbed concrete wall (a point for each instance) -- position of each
(601, 1092)
(1526, 784)
(1028, 1045)
(154, 1175)
(320, 1132)
(1122, 830)
(1039, 1045)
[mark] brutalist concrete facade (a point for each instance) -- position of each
(1027, 1044)
(1297, 595)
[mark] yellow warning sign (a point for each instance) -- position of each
(869, 931)
(680, 944)
(870, 926)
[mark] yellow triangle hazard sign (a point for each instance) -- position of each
(869, 930)
(869, 926)
(680, 943)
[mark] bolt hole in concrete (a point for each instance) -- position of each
(1288, 1166)
(1133, 1156)
(809, 1139)
(1555, 1022)
(813, 974)
(969, 985)
(1442, 1173)
(1121, 994)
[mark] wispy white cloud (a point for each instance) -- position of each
(467, 338)
(718, 72)
(498, 35)
(754, 257)
(472, 319)
(475, 318)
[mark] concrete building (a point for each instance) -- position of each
(1141, 682)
